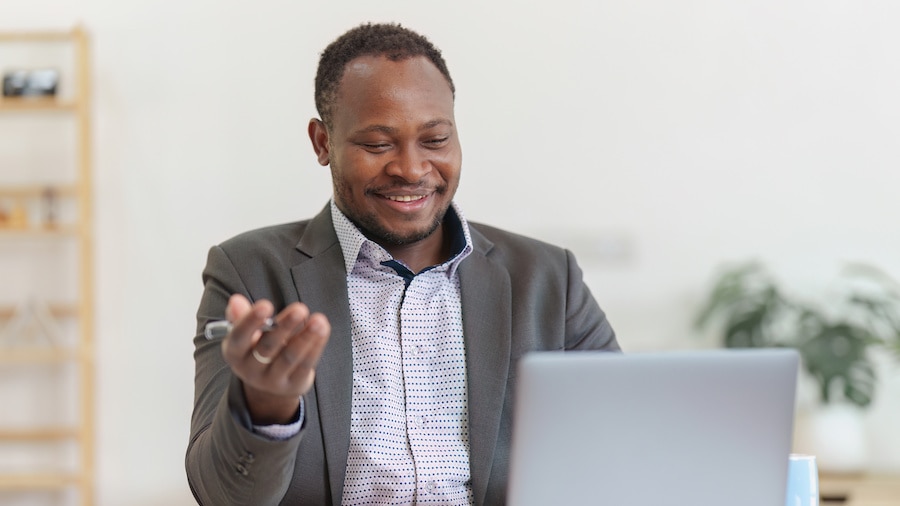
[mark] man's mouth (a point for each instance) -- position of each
(404, 198)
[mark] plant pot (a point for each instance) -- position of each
(835, 433)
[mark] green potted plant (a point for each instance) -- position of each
(835, 335)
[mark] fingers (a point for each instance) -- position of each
(301, 353)
(281, 361)
(290, 321)
(247, 319)
(238, 306)
(301, 340)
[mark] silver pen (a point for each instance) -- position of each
(221, 328)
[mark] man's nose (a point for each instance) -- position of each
(410, 164)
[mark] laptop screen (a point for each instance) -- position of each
(699, 428)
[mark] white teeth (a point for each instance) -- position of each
(405, 198)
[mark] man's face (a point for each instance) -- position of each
(393, 148)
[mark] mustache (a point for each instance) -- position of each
(407, 188)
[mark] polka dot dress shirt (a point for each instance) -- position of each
(409, 425)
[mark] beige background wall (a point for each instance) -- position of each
(657, 139)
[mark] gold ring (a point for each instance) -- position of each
(261, 359)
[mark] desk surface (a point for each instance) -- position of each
(860, 490)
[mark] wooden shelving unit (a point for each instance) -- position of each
(75, 226)
(36, 104)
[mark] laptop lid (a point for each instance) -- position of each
(699, 428)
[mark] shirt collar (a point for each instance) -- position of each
(355, 245)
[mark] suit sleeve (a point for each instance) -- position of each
(586, 325)
(226, 462)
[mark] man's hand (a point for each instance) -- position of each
(278, 366)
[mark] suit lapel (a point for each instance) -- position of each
(486, 305)
(320, 285)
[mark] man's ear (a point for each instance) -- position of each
(318, 134)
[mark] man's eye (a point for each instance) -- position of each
(376, 146)
(436, 142)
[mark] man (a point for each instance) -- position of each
(389, 374)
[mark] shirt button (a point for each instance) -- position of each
(420, 421)
(414, 422)
(414, 351)
(431, 487)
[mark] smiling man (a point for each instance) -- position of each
(388, 375)
(390, 139)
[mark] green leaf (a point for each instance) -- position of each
(837, 354)
(733, 290)
(859, 384)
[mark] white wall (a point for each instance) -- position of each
(666, 137)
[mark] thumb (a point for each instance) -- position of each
(238, 307)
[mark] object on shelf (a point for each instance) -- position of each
(51, 213)
(31, 321)
(30, 83)
(13, 216)
(18, 218)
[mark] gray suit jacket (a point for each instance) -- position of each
(518, 295)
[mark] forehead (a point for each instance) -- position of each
(375, 88)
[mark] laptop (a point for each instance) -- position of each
(679, 428)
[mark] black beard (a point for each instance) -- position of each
(369, 225)
(373, 230)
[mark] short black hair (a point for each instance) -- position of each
(386, 39)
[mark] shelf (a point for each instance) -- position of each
(20, 482)
(30, 356)
(42, 36)
(58, 230)
(57, 310)
(12, 354)
(42, 434)
(8, 104)
(34, 191)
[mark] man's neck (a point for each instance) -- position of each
(433, 250)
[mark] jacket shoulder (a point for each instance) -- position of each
(289, 233)
(494, 241)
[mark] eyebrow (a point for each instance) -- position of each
(391, 130)
(435, 122)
